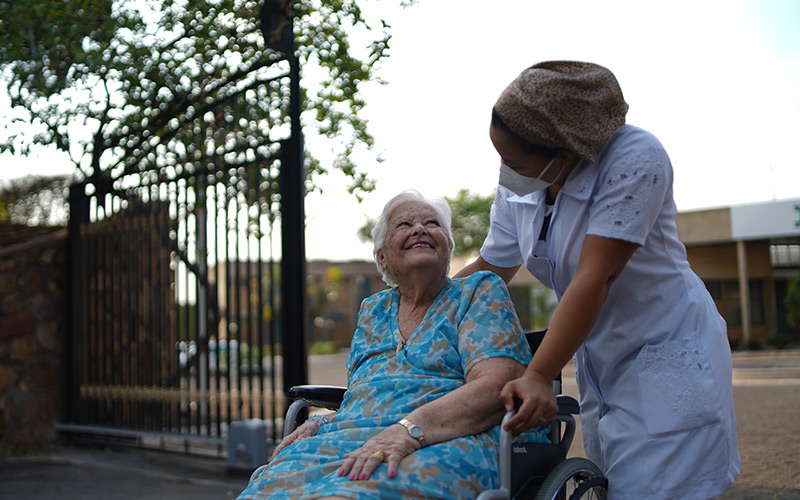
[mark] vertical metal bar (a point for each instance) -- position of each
(75, 356)
(295, 365)
(259, 302)
(105, 324)
(237, 295)
(135, 307)
(202, 299)
(182, 282)
(273, 320)
(228, 301)
(113, 273)
(150, 332)
(217, 406)
(139, 305)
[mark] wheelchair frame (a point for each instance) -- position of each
(560, 478)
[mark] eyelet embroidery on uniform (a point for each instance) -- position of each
(641, 174)
(675, 368)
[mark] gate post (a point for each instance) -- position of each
(293, 245)
(78, 215)
(277, 21)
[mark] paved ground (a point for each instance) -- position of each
(766, 389)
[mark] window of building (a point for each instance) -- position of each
(785, 255)
(726, 295)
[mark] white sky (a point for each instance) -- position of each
(718, 81)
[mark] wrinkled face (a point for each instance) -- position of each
(415, 238)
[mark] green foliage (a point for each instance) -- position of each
(324, 347)
(470, 223)
(470, 219)
(543, 306)
(792, 302)
(779, 341)
(124, 86)
(35, 200)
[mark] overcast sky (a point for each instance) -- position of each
(718, 81)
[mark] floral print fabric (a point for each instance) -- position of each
(472, 319)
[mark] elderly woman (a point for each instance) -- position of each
(587, 207)
(428, 360)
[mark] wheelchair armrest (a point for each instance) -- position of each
(323, 396)
(567, 405)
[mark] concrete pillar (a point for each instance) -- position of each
(744, 288)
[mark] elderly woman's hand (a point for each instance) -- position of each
(391, 445)
(308, 429)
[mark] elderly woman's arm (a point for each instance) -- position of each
(470, 409)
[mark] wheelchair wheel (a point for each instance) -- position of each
(574, 479)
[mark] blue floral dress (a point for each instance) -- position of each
(472, 319)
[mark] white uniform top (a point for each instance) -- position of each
(654, 375)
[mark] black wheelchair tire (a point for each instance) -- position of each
(574, 479)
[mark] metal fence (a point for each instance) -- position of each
(175, 326)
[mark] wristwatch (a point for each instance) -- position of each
(413, 431)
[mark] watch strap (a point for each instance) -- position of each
(413, 430)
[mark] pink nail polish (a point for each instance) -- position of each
(352, 477)
(341, 473)
(363, 477)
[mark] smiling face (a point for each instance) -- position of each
(415, 239)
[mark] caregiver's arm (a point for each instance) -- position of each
(601, 262)
(479, 264)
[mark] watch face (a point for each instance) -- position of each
(415, 432)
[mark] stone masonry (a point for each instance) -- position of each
(33, 333)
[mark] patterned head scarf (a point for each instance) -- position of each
(564, 105)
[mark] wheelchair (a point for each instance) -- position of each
(537, 471)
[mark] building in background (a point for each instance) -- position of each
(746, 255)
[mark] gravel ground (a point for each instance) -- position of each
(768, 421)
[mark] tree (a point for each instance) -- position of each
(470, 222)
(172, 86)
(35, 200)
(470, 219)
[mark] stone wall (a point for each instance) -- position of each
(33, 333)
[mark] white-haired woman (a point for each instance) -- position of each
(427, 363)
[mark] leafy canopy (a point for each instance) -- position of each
(172, 86)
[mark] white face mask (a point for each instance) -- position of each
(521, 185)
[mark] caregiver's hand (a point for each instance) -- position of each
(391, 445)
(538, 401)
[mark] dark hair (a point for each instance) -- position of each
(527, 146)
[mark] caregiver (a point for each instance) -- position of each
(586, 205)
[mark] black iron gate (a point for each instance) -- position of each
(175, 303)
(177, 300)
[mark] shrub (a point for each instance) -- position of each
(735, 343)
(324, 347)
(779, 341)
(755, 345)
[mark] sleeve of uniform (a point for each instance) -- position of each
(634, 184)
(501, 246)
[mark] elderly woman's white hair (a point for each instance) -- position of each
(443, 213)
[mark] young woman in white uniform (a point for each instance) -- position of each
(586, 205)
